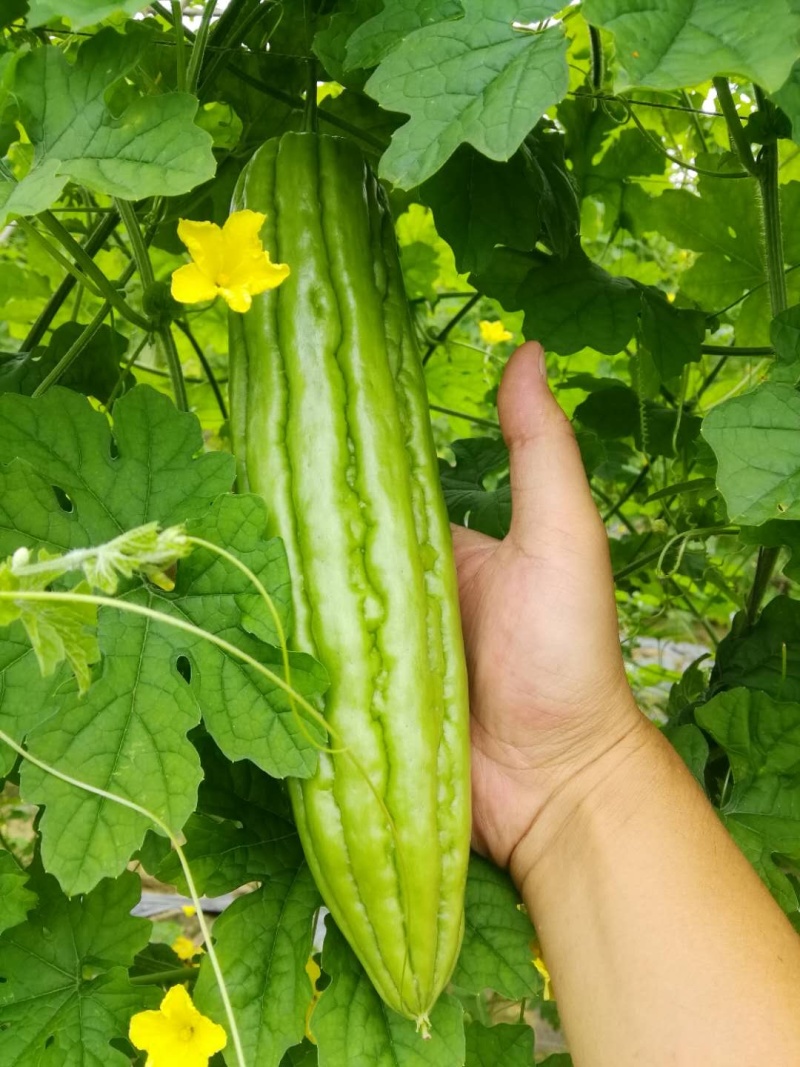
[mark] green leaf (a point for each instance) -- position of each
(16, 899)
(242, 832)
(784, 333)
(128, 734)
(151, 469)
(374, 39)
(489, 1046)
(765, 656)
(761, 737)
(569, 303)
(152, 149)
(479, 203)
(692, 747)
(477, 79)
(80, 12)
(671, 335)
(469, 502)
(721, 223)
(677, 44)
(756, 440)
(263, 942)
(496, 953)
(353, 1026)
(95, 373)
(12, 10)
(65, 993)
(304, 1055)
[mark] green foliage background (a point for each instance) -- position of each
(625, 187)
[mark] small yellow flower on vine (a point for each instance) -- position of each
(189, 910)
(185, 949)
(539, 964)
(493, 332)
(177, 1033)
(228, 261)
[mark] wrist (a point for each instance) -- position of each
(606, 789)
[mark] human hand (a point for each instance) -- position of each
(548, 692)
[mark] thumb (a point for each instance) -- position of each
(549, 490)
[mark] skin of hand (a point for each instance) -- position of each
(548, 690)
(664, 946)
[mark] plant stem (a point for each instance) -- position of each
(734, 350)
(164, 332)
(739, 140)
(598, 59)
(212, 381)
(628, 493)
(94, 242)
(180, 45)
(166, 342)
(199, 46)
(467, 418)
(695, 121)
(91, 270)
(73, 351)
(657, 143)
(55, 253)
(310, 110)
(442, 335)
(776, 281)
(177, 974)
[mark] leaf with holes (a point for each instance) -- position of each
(128, 734)
(481, 79)
(353, 1026)
(263, 942)
(65, 994)
(496, 953)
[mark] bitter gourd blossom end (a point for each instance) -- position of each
(493, 333)
(177, 1033)
(227, 261)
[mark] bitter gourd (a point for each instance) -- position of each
(330, 425)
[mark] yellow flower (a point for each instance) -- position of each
(184, 948)
(176, 1035)
(229, 261)
(493, 332)
(189, 910)
(539, 964)
(313, 971)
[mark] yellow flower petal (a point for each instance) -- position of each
(185, 949)
(176, 1034)
(493, 332)
(266, 275)
(238, 299)
(191, 286)
(243, 228)
(206, 245)
(189, 910)
(539, 964)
